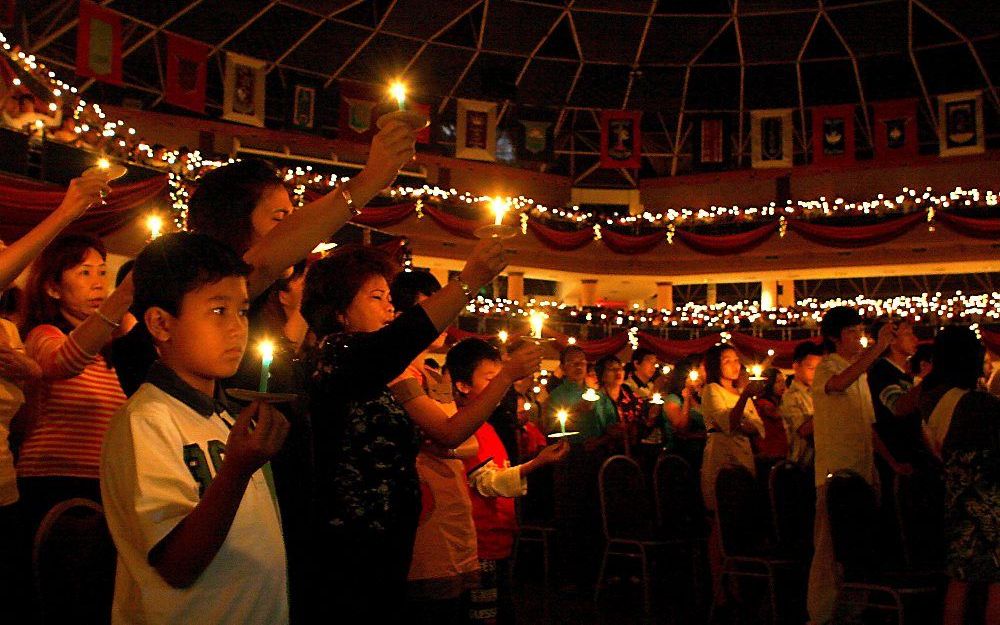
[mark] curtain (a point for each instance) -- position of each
(856, 236)
(633, 243)
(24, 204)
(559, 239)
(969, 226)
(722, 244)
(671, 350)
(465, 228)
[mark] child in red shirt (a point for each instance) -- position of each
(493, 484)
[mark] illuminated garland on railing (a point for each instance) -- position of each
(924, 308)
(189, 166)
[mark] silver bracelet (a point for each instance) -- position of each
(346, 194)
(466, 289)
(114, 324)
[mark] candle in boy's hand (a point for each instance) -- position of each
(562, 415)
(398, 91)
(537, 320)
(266, 349)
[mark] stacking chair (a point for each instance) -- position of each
(627, 520)
(852, 507)
(679, 510)
(744, 525)
(919, 501)
(534, 531)
(73, 562)
(793, 508)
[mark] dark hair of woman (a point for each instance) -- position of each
(679, 376)
(602, 365)
(334, 281)
(958, 359)
(226, 197)
(63, 254)
(268, 311)
(713, 363)
(770, 379)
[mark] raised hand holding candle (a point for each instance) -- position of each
(266, 349)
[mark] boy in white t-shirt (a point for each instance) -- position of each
(186, 488)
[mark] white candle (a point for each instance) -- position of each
(537, 320)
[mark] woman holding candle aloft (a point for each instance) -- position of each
(731, 419)
(684, 424)
(366, 444)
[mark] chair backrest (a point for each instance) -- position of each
(793, 506)
(742, 513)
(625, 508)
(852, 509)
(678, 506)
(73, 562)
(919, 500)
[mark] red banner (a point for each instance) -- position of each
(99, 43)
(357, 112)
(621, 139)
(187, 68)
(895, 130)
(833, 135)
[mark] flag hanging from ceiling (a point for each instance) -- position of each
(960, 123)
(304, 106)
(476, 130)
(535, 144)
(99, 43)
(895, 130)
(621, 139)
(356, 112)
(8, 9)
(833, 134)
(244, 90)
(187, 68)
(710, 143)
(771, 138)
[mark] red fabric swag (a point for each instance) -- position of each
(456, 225)
(970, 226)
(670, 350)
(632, 244)
(558, 239)
(383, 216)
(24, 205)
(723, 244)
(855, 236)
(756, 349)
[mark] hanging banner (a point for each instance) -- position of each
(8, 10)
(621, 139)
(833, 135)
(710, 143)
(99, 43)
(771, 138)
(187, 70)
(535, 144)
(476, 130)
(244, 90)
(960, 123)
(304, 106)
(895, 130)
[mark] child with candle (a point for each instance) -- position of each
(186, 487)
(473, 363)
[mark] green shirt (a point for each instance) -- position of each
(584, 417)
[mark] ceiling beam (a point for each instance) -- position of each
(364, 44)
(323, 20)
(638, 52)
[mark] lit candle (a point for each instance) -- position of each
(266, 349)
(864, 341)
(571, 340)
(756, 372)
(155, 225)
(693, 376)
(562, 415)
(657, 399)
(770, 352)
(503, 336)
(499, 210)
(537, 320)
(527, 406)
(398, 91)
(666, 369)
(590, 395)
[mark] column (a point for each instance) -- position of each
(588, 292)
(711, 298)
(665, 295)
(786, 292)
(768, 294)
(515, 285)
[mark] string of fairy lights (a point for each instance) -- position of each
(957, 307)
(117, 138)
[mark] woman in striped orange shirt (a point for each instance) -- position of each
(69, 321)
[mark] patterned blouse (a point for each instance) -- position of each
(365, 444)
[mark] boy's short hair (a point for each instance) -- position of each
(178, 263)
(568, 351)
(805, 349)
(641, 354)
(465, 356)
(835, 321)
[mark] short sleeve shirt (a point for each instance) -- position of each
(901, 434)
(11, 399)
(162, 450)
(842, 423)
(796, 409)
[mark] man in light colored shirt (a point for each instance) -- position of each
(797, 404)
(843, 435)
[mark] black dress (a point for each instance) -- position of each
(365, 455)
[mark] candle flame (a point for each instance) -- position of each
(537, 320)
(526, 406)
(104, 163)
(398, 92)
(499, 207)
(503, 336)
(693, 375)
(756, 370)
(266, 350)
(864, 341)
(571, 340)
(562, 415)
(155, 225)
